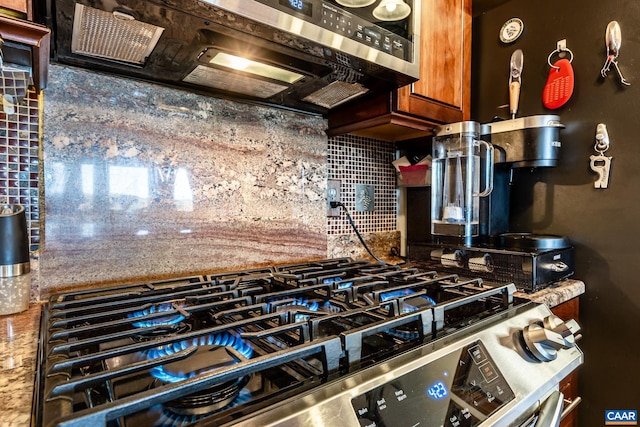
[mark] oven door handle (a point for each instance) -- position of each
(551, 411)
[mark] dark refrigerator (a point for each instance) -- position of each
(602, 223)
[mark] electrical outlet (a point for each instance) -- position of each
(333, 195)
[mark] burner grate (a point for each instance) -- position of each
(220, 346)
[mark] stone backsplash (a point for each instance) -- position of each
(143, 181)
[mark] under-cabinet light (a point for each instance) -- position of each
(254, 67)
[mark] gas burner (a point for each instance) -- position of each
(339, 281)
(171, 319)
(208, 401)
(409, 302)
(164, 417)
(395, 294)
(416, 303)
(301, 307)
(161, 415)
(214, 352)
(161, 331)
(295, 304)
(162, 326)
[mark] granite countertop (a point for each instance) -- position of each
(557, 293)
(18, 346)
(19, 342)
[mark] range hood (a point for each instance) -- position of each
(285, 60)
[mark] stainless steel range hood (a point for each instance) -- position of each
(230, 49)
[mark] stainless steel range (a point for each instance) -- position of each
(333, 342)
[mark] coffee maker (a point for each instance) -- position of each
(471, 182)
(455, 181)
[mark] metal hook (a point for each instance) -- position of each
(613, 42)
(602, 139)
(561, 47)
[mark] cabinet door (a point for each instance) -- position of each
(569, 385)
(17, 8)
(443, 91)
(442, 95)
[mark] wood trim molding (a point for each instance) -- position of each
(37, 38)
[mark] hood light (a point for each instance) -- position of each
(355, 3)
(391, 10)
(254, 67)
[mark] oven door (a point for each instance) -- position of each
(549, 414)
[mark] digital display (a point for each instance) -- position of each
(438, 391)
(299, 6)
(460, 389)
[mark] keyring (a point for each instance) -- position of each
(561, 47)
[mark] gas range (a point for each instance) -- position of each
(358, 342)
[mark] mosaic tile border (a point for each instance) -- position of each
(20, 136)
(358, 160)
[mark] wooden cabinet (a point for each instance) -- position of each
(17, 8)
(27, 43)
(442, 95)
(569, 385)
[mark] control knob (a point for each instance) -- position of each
(543, 340)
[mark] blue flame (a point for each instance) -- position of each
(344, 285)
(395, 294)
(169, 320)
(330, 308)
(431, 300)
(224, 339)
(309, 305)
(407, 308)
(297, 302)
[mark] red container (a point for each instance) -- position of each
(415, 175)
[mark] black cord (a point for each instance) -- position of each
(396, 253)
(339, 204)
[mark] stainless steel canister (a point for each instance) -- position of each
(15, 267)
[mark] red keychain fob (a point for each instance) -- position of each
(559, 87)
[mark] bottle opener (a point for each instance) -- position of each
(515, 80)
(601, 164)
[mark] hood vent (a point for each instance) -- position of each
(116, 36)
(343, 87)
(336, 93)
